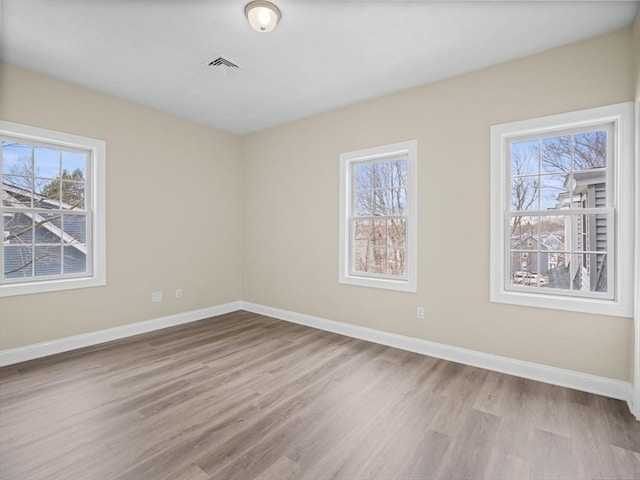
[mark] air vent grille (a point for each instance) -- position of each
(223, 65)
(221, 61)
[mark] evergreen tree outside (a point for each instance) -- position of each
(72, 186)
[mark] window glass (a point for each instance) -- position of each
(379, 242)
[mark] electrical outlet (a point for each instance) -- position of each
(178, 293)
(420, 313)
(156, 297)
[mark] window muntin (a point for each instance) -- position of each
(378, 217)
(579, 200)
(52, 187)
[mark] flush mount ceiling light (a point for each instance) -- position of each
(263, 16)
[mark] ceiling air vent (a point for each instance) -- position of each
(223, 65)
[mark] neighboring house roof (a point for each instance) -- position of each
(581, 180)
(519, 240)
(9, 193)
(552, 241)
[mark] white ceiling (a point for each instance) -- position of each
(323, 54)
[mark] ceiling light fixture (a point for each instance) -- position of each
(263, 16)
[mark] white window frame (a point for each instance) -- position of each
(409, 150)
(96, 206)
(620, 205)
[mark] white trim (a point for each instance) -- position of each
(38, 350)
(556, 376)
(636, 308)
(96, 182)
(408, 284)
(622, 116)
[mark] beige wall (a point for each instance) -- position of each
(173, 212)
(275, 194)
(290, 228)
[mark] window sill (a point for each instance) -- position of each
(557, 302)
(384, 283)
(9, 290)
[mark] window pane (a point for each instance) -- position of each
(524, 269)
(363, 204)
(552, 232)
(553, 192)
(398, 201)
(398, 173)
(381, 175)
(75, 166)
(395, 261)
(47, 193)
(524, 193)
(73, 194)
(17, 228)
(362, 230)
(396, 232)
(591, 233)
(590, 272)
(48, 228)
(589, 189)
(558, 272)
(361, 252)
(74, 259)
(18, 261)
(377, 260)
(381, 202)
(379, 233)
(48, 261)
(362, 177)
(16, 158)
(18, 181)
(524, 233)
(17, 191)
(75, 226)
(524, 158)
(590, 150)
(556, 154)
(46, 162)
(554, 259)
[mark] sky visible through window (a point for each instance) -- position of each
(16, 159)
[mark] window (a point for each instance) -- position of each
(378, 227)
(561, 214)
(52, 210)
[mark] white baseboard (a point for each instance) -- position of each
(534, 371)
(38, 350)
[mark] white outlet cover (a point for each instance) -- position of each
(156, 297)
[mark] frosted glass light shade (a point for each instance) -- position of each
(263, 16)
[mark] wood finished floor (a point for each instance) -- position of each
(245, 397)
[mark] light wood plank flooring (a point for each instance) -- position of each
(245, 396)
